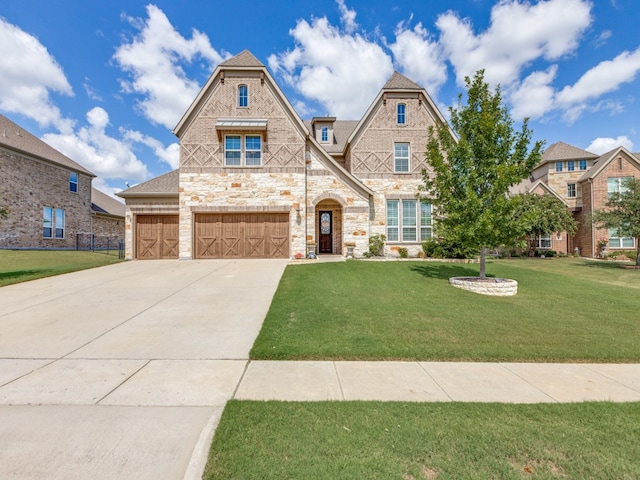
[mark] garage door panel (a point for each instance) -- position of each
(242, 235)
(156, 237)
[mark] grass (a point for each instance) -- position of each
(23, 265)
(566, 310)
(358, 440)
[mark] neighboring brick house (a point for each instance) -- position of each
(583, 181)
(255, 180)
(49, 196)
(108, 220)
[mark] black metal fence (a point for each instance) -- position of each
(86, 241)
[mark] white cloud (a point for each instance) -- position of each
(519, 34)
(606, 144)
(28, 75)
(348, 17)
(534, 96)
(605, 77)
(92, 147)
(342, 72)
(154, 60)
(420, 57)
(169, 155)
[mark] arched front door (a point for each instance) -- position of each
(326, 232)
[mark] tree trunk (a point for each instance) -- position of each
(483, 256)
(638, 252)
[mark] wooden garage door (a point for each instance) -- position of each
(156, 237)
(242, 235)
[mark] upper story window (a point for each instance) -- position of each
(583, 164)
(409, 221)
(73, 182)
(243, 96)
(401, 158)
(571, 166)
(571, 190)
(324, 134)
(243, 150)
(558, 166)
(617, 185)
(402, 114)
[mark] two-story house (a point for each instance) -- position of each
(584, 181)
(256, 181)
(49, 196)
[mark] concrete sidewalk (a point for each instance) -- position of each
(440, 382)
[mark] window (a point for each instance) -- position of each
(405, 224)
(558, 166)
(73, 182)
(617, 185)
(583, 164)
(239, 147)
(571, 190)
(47, 222)
(243, 96)
(324, 134)
(615, 241)
(544, 241)
(401, 157)
(571, 166)
(59, 223)
(402, 114)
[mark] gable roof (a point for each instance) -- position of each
(163, 186)
(16, 138)
(102, 203)
(398, 83)
(243, 59)
(564, 151)
(605, 159)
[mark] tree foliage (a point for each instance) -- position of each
(541, 215)
(622, 213)
(473, 172)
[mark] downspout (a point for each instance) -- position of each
(307, 163)
(593, 230)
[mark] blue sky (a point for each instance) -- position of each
(105, 82)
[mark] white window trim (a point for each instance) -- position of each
(76, 182)
(404, 114)
(408, 157)
(324, 138)
(619, 241)
(559, 167)
(55, 214)
(546, 239)
(243, 150)
(575, 190)
(400, 227)
(240, 97)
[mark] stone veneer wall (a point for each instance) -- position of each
(27, 186)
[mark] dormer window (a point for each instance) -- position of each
(243, 96)
(324, 135)
(402, 114)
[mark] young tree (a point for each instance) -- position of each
(472, 174)
(540, 215)
(622, 213)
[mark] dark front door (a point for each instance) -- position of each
(326, 231)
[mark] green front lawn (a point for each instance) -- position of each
(371, 440)
(566, 310)
(23, 265)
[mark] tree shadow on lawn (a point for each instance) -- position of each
(21, 273)
(445, 271)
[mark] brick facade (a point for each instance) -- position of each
(27, 186)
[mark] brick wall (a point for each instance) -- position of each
(26, 187)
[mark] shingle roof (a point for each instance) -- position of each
(103, 203)
(342, 129)
(243, 59)
(400, 82)
(564, 151)
(16, 138)
(166, 184)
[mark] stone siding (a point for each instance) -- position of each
(27, 186)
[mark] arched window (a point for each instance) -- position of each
(402, 114)
(243, 96)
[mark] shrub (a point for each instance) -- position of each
(376, 245)
(443, 248)
(404, 253)
(546, 253)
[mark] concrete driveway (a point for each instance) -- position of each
(122, 372)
